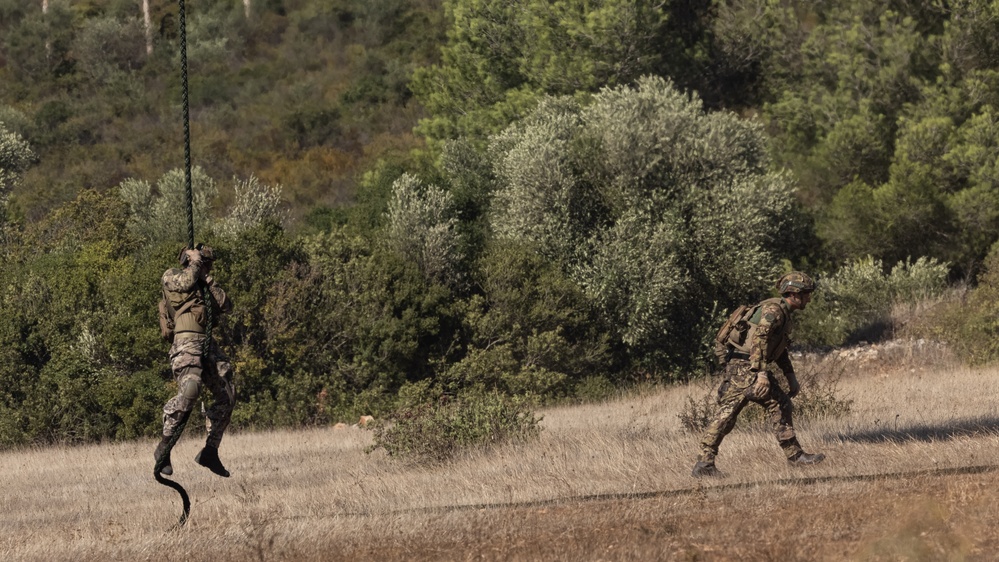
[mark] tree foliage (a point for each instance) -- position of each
(592, 184)
(159, 215)
(423, 229)
(501, 56)
(15, 156)
(653, 206)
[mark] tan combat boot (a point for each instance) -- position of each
(704, 468)
(806, 458)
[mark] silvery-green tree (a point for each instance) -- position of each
(15, 156)
(662, 212)
(160, 214)
(255, 203)
(422, 227)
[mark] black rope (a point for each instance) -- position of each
(161, 460)
(189, 190)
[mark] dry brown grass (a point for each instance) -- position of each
(910, 476)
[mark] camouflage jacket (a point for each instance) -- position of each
(182, 290)
(770, 336)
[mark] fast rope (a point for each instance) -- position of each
(206, 294)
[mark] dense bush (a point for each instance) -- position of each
(971, 326)
(159, 215)
(78, 329)
(15, 156)
(438, 431)
(422, 228)
(856, 302)
(530, 331)
(653, 207)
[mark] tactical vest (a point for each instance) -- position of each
(189, 309)
(743, 330)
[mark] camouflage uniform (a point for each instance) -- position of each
(772, 335)
(747, 346)
(189, 370)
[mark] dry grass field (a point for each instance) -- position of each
(912, 474)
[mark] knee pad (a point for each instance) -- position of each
(190, 387)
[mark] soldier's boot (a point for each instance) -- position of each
(806, 458)
(166, 469)
(209, 458)
(704, 468)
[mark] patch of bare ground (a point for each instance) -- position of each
(911, 475)
(921, 518)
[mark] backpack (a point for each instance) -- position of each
(734, 332)
(737, 322)
(168, 314)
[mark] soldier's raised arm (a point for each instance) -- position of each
(183, 280)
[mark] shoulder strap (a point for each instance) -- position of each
(183, 308)
(753, 317)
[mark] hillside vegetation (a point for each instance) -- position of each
(443, 207)
(306, 94)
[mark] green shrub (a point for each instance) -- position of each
(971, 327)
(856, 302)
(159, 214)
(422, 228)
(439, 431)
(594, 388)
(15, 157)
(531, 331)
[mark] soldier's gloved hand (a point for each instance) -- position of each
(793, 387)
(192, 255)
(761, 387)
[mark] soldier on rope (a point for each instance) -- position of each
(752, 339)
(186, 316)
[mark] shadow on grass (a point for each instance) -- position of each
(893, 432)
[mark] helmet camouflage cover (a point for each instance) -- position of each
(795, 282)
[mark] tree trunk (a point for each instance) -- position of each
(48, 44)
(246, 8)
(148, 23)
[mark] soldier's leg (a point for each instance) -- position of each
(730, 403)
(179, 407)
(219, 383)
(779, 411)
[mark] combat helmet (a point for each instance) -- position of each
(795, 282)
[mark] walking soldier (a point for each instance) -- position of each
(752, 339)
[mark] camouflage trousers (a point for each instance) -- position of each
(191, 373)
(732, 398)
